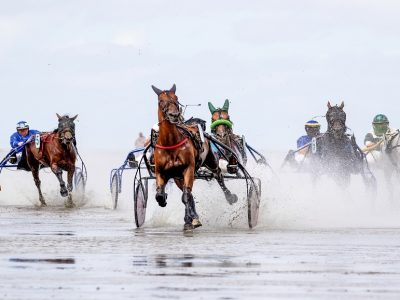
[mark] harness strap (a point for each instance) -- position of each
(45, 138)
(174, 146)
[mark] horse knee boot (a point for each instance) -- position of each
(161, 197)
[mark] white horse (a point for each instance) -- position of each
(385, 157)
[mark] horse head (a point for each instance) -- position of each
(66, 128)
(336, 119)
(168, 105)
(221, 124)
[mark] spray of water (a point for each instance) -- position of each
(289, 200)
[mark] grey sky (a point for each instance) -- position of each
(277, 61)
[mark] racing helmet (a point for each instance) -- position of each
(380, 124)
(22, 125)
(312, 127)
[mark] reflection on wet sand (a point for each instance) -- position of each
(44, 260)
(190, 261)
(97, 254)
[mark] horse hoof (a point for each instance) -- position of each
(232, 198)
(196, 223)
(64, 193)
(43, 204)
(188, 227)
(161, 199)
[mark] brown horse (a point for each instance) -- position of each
(221, 128)
(57, 151)
(178, 155)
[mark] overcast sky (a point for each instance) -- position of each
(277, 61)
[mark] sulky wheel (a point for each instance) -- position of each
(79, 182)
(140, 201)
(253, 206)
(115, 183)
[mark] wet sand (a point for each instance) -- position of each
(95, 253)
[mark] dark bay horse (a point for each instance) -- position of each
(221, 128)
(57, 151)
(178, 154)
(338, 153)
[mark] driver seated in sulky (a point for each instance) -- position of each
(18, 139)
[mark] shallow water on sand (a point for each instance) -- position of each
(94, 253)
(311, 241)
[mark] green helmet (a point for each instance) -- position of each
(380, 124)
(379, 119)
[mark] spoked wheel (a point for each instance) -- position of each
(79, 182)
(253, 206)
(140, 201)
(114, 190)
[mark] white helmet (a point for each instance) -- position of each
(22, 125)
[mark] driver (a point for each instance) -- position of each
(380, 127)
(312, 129)
(19, 138)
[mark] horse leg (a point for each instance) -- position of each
(35, 173)
(71, 170)
(229, 196)
(191, 217)
(212, 164)
(34, 166)
(232, 166)
(70, 176)
(58, 172)
(161, 195)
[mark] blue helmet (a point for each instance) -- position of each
(312, 128)
(22, 125)
(312, 123)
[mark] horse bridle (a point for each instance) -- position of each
(219, 111)
(227, 138)
(337, 116)
(164, 106)
(63, 129)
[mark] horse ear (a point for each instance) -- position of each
(173, 89)
(156, 90)
(341, 105)
(329, 104)
(58, 116)
(226, 105)
(211, 107)
(73, 119)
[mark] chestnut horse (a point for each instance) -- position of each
(221, 128)
(177, 155)
(57, 151)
